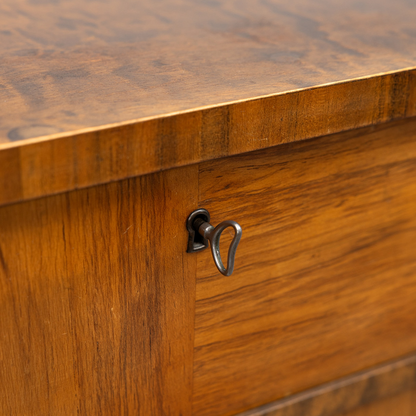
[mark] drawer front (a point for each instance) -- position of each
(325, 277)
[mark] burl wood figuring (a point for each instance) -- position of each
(83, 64)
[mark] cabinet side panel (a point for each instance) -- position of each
(97, 300)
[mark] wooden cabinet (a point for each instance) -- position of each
(296, 120)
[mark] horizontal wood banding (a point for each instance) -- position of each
(348, 393)
(47, 167)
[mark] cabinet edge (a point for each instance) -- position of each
(347, 393)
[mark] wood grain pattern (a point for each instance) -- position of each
(68, 65)
(97, 300)
(63, 164)
(325, 277)
(364, 393)
(403, 404)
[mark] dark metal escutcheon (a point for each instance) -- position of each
(201, 231)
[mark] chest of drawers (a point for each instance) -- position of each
(295, 120)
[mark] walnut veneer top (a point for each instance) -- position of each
(73, 65)
(98, 91)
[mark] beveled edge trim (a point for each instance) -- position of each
(97, 157)
(76, 132)
(347, 393)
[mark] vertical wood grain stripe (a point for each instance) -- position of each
(38, 168)
(347, 393)
(97, 300)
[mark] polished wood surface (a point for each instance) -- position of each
(98, 295)
(66, 66)
(403, 404)
(97, 300)
(53, 166)
(358, 394)
(325, 276)
(103, 312)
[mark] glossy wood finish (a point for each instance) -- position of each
(325, 276)
(97, 300)
(113, 89)
(97, 292)
(68, 65)
(403, 404)
(359, 394)
(53, 166)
